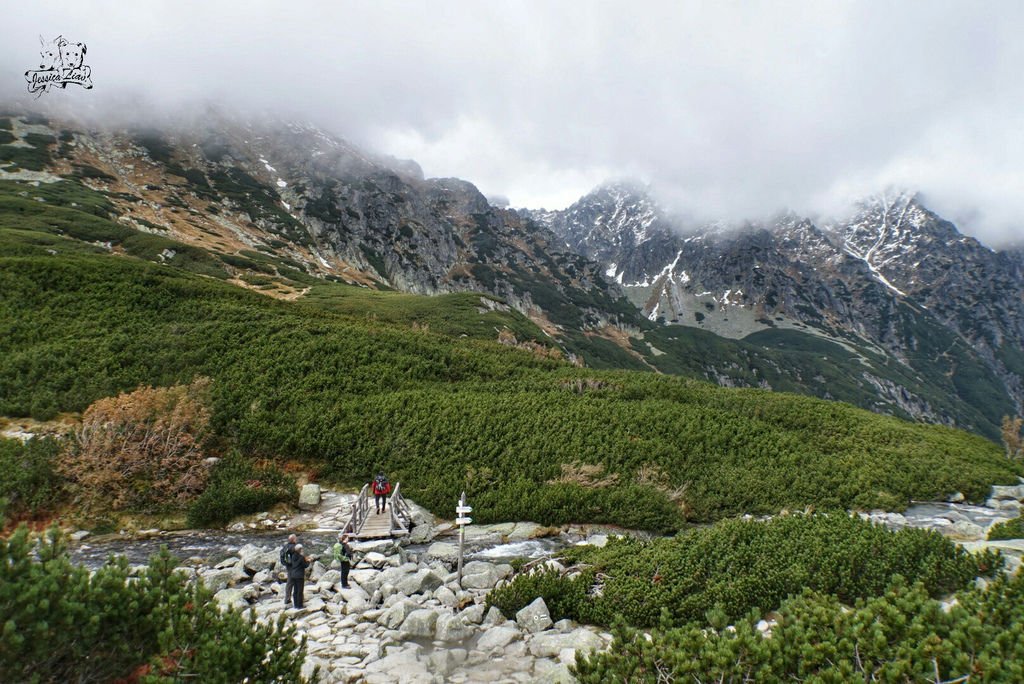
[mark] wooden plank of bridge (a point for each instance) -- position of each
(376, 526)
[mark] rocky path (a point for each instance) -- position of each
(406, 619)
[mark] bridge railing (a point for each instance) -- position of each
(359, 512)
(401, 514)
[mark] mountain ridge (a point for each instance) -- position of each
(876, 279)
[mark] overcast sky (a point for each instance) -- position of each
(730, 109)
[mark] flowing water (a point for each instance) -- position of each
(212, 546)
(937, 515)
(209, 547)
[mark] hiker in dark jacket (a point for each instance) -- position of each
(296, 576)
(287, 550)
(342, 553)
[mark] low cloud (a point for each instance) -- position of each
(731, 110)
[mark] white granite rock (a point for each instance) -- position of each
(534, 617)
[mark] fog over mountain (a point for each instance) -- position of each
(730, 110)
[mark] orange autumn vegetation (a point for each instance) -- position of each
(141, 451)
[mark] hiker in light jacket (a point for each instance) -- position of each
(342, 553)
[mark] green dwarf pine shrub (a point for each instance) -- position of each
(901, 636)
(61, 623)
(738, 565)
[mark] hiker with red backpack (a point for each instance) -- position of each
(381, 488)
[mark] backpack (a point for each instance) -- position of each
(381, 485)
(286, 555)
(341, 553)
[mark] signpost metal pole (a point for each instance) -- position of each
(462, 532)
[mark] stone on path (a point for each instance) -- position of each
(453, 628)
(498, 638)
(231, 598)
(419, 623)
(419, 582)
(393, 617)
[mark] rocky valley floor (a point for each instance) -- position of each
(406, 618)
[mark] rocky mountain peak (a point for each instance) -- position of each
(882, 276)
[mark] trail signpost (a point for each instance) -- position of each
(462, 519)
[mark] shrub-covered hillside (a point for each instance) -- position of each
(528, 437)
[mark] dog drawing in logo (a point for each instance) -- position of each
(50, 54)
(71, 55)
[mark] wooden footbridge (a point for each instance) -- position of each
(395, 521)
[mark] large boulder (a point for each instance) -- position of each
(216, 580)
(1010, 505)
(443, 551)
(446, 597)
(401, 665)
(534, 617)
(256, 559)
(231, 598)
(375, 559)
(498, 638)
(393, 617)
(318, 571)
(493, 617)
(419, 582)
(481, 575)
(351, 593)
(548, 672)
(529, 530)
(419, 623)
(965, 529)
(550, 644)
(1014, 492)
(453, 628)
(442, 662)
(474, 614)
(373, 580)
(309, 497)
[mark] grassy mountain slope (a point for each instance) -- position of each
(212, 207)
(792, 361)
(323, 381)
